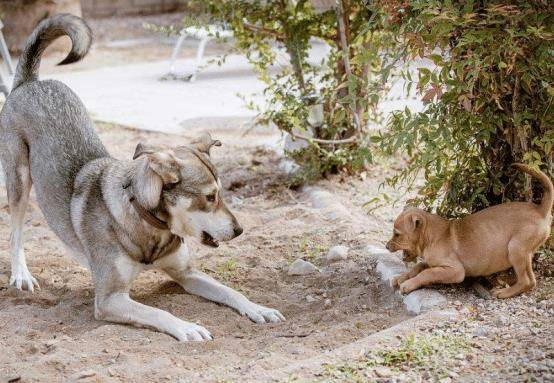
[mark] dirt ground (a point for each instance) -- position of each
(51, 335)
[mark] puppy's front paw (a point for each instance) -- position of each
(22, 279)
(396, 281)
(261, 314)
(503, 293)
(407, 287)
(192, 332)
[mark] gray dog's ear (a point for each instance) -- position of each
(165, 165)
(159, 170)
(142, 149)
(204, 143)
(162, 162)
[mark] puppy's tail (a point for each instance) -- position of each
(44, 34)
(548, 195)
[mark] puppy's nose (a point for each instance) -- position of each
(237, 231)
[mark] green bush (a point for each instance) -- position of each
(488, 100)
(349, 90)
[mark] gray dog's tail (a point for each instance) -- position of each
(548, 195)
(47, 31)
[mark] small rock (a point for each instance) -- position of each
(310, 299)
(86, 374)
(445, 380)
(501, 320)
(547, 304)
(337, 253)
(480, 332)
(301, 267)
(327, 302)
(33, 349)
(383, 372)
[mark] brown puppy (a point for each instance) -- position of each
(480, 244)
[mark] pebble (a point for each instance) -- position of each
(327, 302)
(310, 299)
(383, 372)
(301, 267)
(480, 332)
(337, 253)
(501, 320)
(86, 374)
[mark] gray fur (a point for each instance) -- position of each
(47, 140)
(47, 31)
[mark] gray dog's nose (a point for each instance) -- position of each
(238, 231)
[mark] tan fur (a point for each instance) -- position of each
(480, 244)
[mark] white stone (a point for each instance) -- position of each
(383, 372)
(310, 299)
(301, 267)
(422, 300)
(337, 253)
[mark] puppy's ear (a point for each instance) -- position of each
(204, 143)
(417, 221)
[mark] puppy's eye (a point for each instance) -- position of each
(172, 186)
(210, 197)
(396, 235)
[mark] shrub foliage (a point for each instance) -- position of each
(484, 70)
(282, 31)
(488, 99)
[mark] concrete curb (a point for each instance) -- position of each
(304, 370)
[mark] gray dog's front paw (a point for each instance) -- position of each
(192, 332)
(261, 314)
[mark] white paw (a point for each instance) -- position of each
(22, 279)
(192, 332)
(262, 314)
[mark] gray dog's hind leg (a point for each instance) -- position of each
(113, 304)
(15, 162)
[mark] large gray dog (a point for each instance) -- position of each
(117, 217)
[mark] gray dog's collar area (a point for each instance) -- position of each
(145, 214)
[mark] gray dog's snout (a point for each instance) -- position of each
(237, 230)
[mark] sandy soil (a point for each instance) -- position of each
(51, 335)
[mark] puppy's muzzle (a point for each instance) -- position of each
(391, 247)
